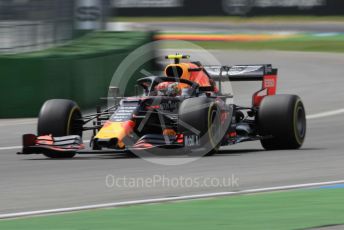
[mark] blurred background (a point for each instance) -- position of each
(27, 25)
(31, 25)
(58, 47)
(226, 7)
(72, 48)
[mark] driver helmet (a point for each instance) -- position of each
(171, 89)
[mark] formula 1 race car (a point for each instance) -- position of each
(184, 111)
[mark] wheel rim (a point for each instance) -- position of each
(300, 121)
(214, 129)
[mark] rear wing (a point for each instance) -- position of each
(240, 72)
(264, 73)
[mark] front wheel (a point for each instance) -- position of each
(59, 117)
(201, 116)
(282, 122)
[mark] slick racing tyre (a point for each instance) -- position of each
(59, 117)
(282, 122)
(201, 116)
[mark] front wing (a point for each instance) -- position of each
(33, 144)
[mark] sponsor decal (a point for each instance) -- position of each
(170, 106)
(269, 83)
(302, 4)
(88, 14)
(191, 140)
(236, 7)
(147, 3)
(237, 70)
(123, 113)
(243, 7)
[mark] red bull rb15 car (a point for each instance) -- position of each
(186, 110)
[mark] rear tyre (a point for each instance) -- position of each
(59, 117)
(202, 115)
(282, 122)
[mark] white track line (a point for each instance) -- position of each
(10, 147)
(325, 114)
(18, 123)
(309, 117)
(168, 199)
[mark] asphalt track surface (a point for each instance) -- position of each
(33, 182)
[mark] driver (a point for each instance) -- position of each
(171, 89)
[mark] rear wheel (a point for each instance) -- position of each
(59, 117)
(282, 122)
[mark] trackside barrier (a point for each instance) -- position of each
(175, 8)
(81, 71)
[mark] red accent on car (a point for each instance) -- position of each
(143, 146)
(128, 126)
(180, 141)
(45, 140)
(270, 83)
(232, 134)
(180, 138)
(150, 107)
(269, 87)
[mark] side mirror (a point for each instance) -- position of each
(136, 90)
(113, 95)
(113, 92)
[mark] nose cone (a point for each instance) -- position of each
(114, 131)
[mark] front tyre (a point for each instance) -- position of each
(59, 117)
(282, 122)
(202, 116)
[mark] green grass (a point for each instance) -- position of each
(302, 42)
(235, 19)
(306, 43)
(281, 210)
